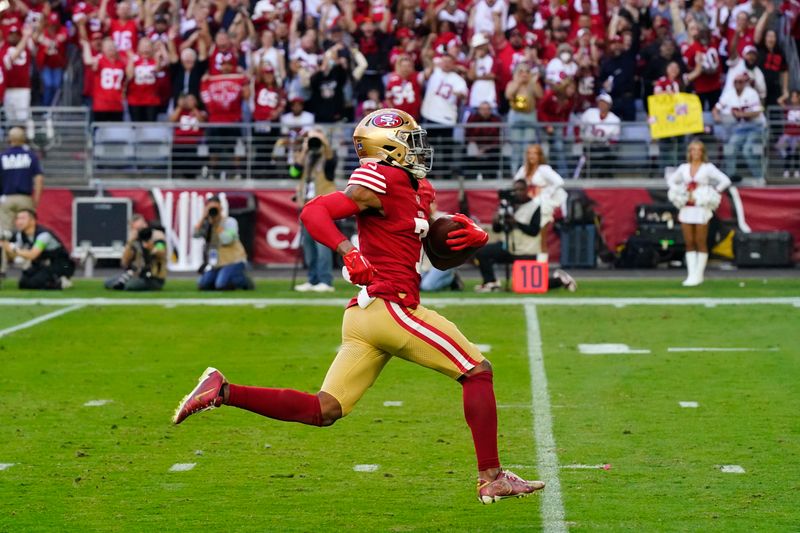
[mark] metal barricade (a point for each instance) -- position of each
(74, 150)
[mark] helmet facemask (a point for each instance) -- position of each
(420, 153)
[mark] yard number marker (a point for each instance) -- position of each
(39, 320)
(546, 456)
(393, 403)
(6, 466)
(691, 405)
(182, 467)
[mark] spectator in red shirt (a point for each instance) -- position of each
(269, 103)
(187, 135)
(142, 72)
(16, 54)
(483, 143)
(403, 91)
(707, 80)
(510, 53)
(123, 29)
(222, 53)
(107, 82)
(51, 56)
(554, 110)
(223, 95)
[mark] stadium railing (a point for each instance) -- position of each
(77, 151)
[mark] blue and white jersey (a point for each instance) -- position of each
(18, 166)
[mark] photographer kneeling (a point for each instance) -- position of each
(144, 259)
(47, 262)
(224, 257)
(519, 219)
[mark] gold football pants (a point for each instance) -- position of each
(372, 336)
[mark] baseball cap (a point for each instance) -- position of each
(297, 99)
(749, 49)
(53, 18)
(404, 33)
(742, 76)
(603, 97)
(13, 29)
(477, 40)
(267, 67)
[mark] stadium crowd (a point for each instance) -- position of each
(297, 62)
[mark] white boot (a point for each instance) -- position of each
(691, 262)
(700, 267)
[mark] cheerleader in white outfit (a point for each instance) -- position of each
(545, 187)
(695, 189)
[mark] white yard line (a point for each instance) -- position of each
(546, 456)
(40, 319)
(182, 467)
(692, 349)
(336, 302)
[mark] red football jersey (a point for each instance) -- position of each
(107, 85)
(52, 50)
(222, 95)
(792, 126)
(392, 241)
(187, 129)
(267, 102)
(219, 57)
(125, 34)
(142, 89)
(404, 94)
(711, 78)
(17, 73)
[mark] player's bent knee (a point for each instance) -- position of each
(483, 366)
(330, 408)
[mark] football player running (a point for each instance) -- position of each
(390, 198)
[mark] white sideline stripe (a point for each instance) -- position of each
(587, 467)
(182, 467)
(366, 468)
(393, 403)
(97, 403)
(6, 466)
(690, 405)
(690, 349)
(336, 302)
(546, 456)
(484, 348)
(732, 469)
(40, 319)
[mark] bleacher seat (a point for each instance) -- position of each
(153, 143)
(114, 144)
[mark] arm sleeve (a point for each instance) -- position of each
(36, 165)
(721, 180)
(43, 240)
(674, 179)
(318, 216)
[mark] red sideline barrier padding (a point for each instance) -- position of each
(767, 209)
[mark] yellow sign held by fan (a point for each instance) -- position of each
(676, 114)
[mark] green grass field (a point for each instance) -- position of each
(106, 468)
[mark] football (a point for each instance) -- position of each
(440, 254)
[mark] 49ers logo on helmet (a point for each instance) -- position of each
(388, 120)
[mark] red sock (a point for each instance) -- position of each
(281, 404)
(480, 410)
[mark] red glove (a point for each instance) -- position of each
(470, 236)
(358, 268)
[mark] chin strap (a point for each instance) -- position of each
(318, 216)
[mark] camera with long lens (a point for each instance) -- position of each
(213, 212)
(6, 235)
(145, 234)
(314, 144)
(505, 210)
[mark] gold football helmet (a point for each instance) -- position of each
(394, 137)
